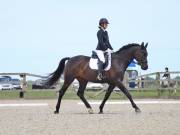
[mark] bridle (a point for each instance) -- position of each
(141, 62)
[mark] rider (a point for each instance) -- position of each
(103, 45)
(166, 74)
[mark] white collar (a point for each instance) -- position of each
(102, 28)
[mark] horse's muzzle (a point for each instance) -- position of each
(144, 67)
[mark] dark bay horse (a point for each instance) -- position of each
(78, 68)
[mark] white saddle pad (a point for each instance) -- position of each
(93, 64)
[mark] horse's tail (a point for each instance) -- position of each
(54, 77)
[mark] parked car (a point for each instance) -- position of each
(6, 78)
(8, 83)
(16, 84)
(90, 86)
(39, 84)
(4, 84)
(94, 86)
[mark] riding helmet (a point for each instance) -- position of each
(103, 20)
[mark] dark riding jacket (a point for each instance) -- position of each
(103, 40)
(167, 75)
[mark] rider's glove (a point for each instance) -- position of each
(109, 50)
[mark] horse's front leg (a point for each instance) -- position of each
(108, 93)
(126, 92)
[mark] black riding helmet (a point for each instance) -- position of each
(103, 20)
(166, 68)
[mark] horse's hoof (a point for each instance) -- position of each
(137, 110)
(56, 112)
(90, 111)
(101, 112)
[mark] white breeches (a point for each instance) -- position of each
(100, 54)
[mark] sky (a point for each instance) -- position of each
(36, 34)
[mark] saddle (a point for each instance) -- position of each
(93, 63)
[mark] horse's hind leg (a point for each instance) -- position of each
(62, 91)
(80, 93)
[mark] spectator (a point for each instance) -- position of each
(142, 82)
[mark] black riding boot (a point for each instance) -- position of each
(100, 70)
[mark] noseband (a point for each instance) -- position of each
(141, 62)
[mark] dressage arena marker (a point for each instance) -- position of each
(128, 102)
(25, 105)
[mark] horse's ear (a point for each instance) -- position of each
(146, 45)
(142, 45)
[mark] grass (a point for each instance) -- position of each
(95, 95)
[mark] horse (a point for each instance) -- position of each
(169, 84)
(78, 68)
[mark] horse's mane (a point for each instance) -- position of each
(125, 47)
